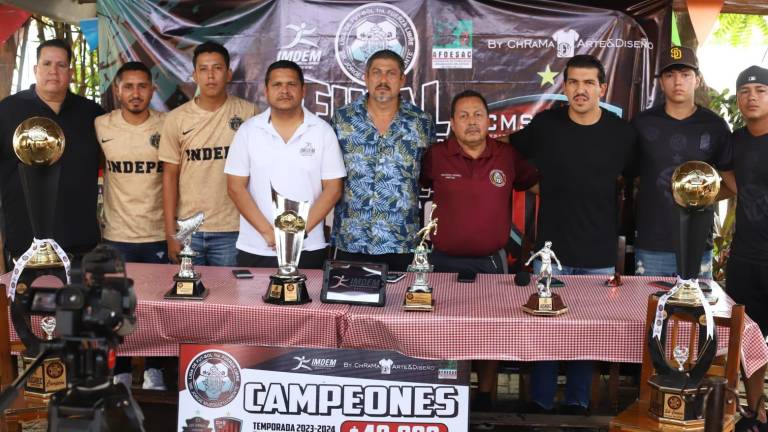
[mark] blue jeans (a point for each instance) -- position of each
(151, 252)
(659, 263)
(215, 248)
(578, 373)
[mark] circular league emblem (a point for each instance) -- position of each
(235, 122)
(213, 379)
(370, 28)
(54, 370)
(674, 402)
(154, 140)
(498, 178)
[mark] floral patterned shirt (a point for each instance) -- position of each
(379, 210)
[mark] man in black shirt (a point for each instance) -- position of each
(747, 269)
(76, 228)
(580, 150)
(668, 135)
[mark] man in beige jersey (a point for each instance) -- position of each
(194, 146)
(133, 185)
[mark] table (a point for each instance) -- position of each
(470, 321)
(484, 320)
(233, 313)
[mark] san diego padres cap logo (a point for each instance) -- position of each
(676, 53)
(235, 122)
(370, 28)
(498, 178)
(213, 379)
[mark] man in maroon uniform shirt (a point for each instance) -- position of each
(473, 177)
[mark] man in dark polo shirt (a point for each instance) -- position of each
(747, 269)
(75, 229)
(580, 151)
(472, 177)
(669, 134)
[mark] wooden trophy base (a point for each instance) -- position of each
(417, 301)
(675, 406)
(187, 289)
(287, 290)
(545, 306)
(49, 378)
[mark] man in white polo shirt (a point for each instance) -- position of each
(292, 150)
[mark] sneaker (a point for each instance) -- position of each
(751, 424)
(153, 380)
(483, 402)
(534, 408)
(573, 410)
(123, 378)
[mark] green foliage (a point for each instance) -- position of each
(739, 30)
(727, 107)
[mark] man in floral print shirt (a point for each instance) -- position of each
(382, 138)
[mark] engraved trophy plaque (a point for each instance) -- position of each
(544, 302)
(419, 297)
(186, 283)
(288, 286)
(49, 377)
(695, 186)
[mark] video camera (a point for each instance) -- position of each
(93, 315)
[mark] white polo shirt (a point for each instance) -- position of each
(295, 169)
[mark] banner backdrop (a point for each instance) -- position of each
(231, 388)
(512, 52)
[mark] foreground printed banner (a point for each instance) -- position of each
(233, 388)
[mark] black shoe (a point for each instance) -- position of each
(573, 410)
(751, 424)
(534, 408)
(483, 402)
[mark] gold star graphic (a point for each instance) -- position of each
(548, 77)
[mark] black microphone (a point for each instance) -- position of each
(522, 278)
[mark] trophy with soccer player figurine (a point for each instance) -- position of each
(288, 286)
(419, 297)
(186, 283)
(544, 302)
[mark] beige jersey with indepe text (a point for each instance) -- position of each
(133, 178)
(198, 141)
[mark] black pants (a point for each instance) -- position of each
(308, 259)
(747, 284)
(395, 262)
(445, 263)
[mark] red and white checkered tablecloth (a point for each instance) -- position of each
(233, 313)
(484, 320)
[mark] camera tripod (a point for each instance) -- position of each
(91, 401)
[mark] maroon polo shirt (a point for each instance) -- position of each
(474, 196)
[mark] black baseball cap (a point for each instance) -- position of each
(752, 75)
(678, 56)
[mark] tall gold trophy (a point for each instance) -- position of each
(695, 186)
(39, 143)
(288, 286)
